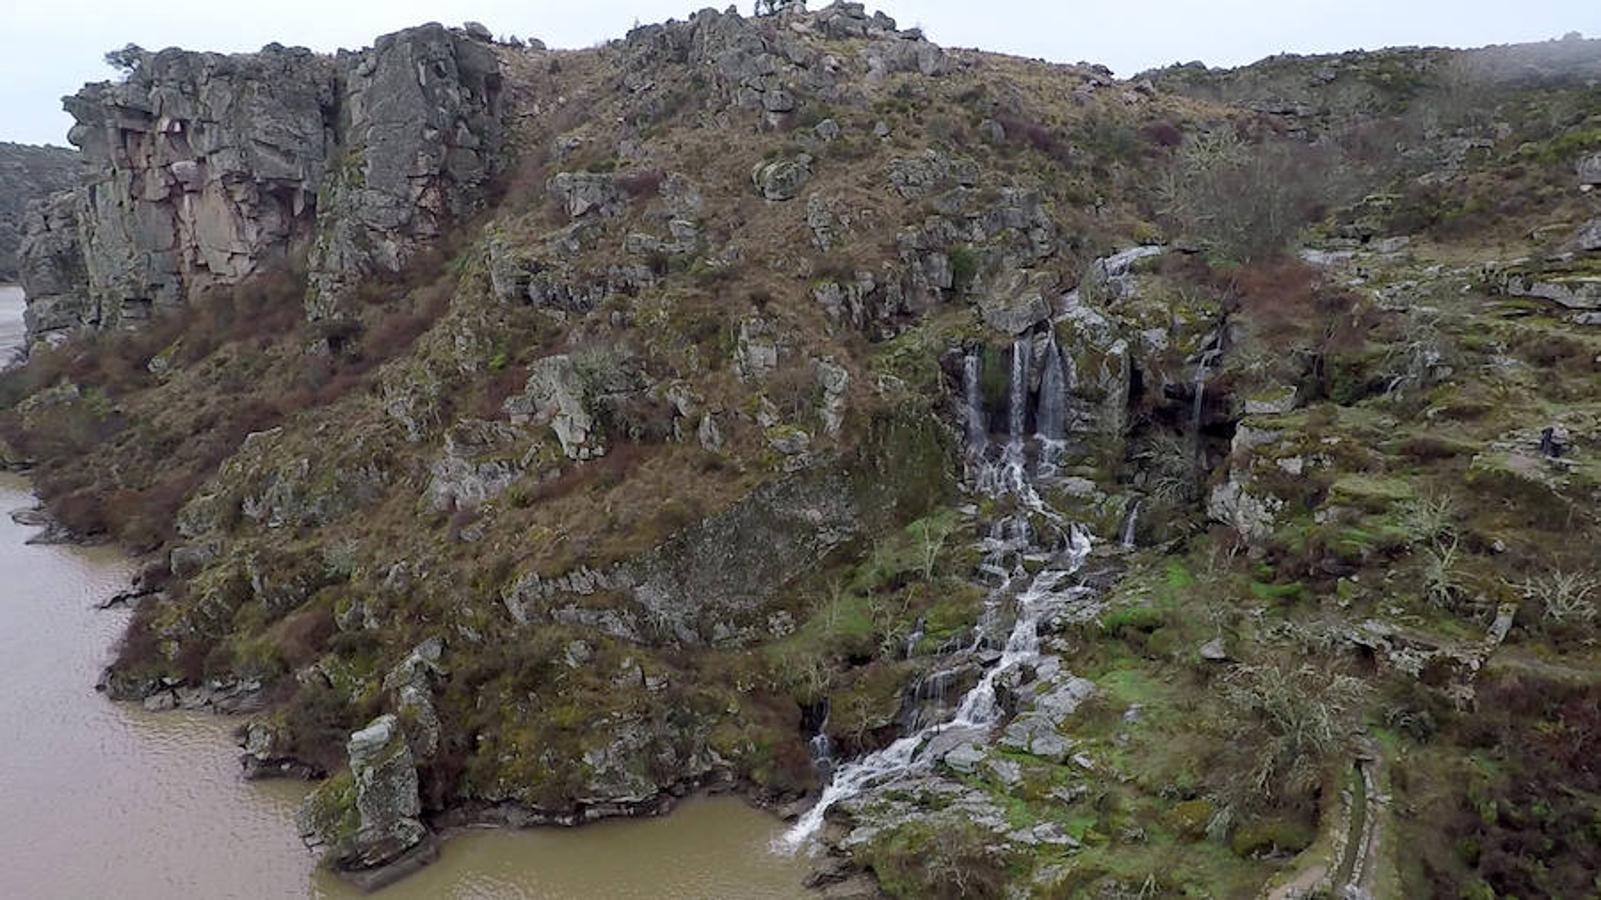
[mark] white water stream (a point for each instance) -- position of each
(1009, 538)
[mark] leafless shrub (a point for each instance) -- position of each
(1565, 598)
(1247, 201)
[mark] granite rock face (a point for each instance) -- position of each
(200, 170)
(373, 820)
(52, 267)
(204, 169)
(418, 135)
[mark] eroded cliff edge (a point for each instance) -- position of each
(204, 170)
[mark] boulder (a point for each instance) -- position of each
(554, 395)
(1588, 237)
(1018, 301)
(835, 380)
(756, 350)
(1590, 170)
(370, 821)
(586, 193)
(782, 179)
(1578, 292)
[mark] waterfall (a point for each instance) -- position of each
(913, 639)
(1017, 392)
(1051, 420)
(1131, 523)
(1010, 476)
(822, 752)
(979, 708)
(977, 426)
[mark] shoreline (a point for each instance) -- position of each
(468, 817)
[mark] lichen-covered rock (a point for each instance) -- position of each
(1590, 169)
(906, 54)
(372, 819)
(1018, 301)
(52, 269)
(1572, 291)
(782, 179)
(419, 139)
(28, 175)
(835, 380)
(586, 193)
(1588, 237)
(555, 396)
(480, 460)
(756, 350)
(204, 169)
(201, 169)
(703, 584)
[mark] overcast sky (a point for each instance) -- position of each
(49, 47)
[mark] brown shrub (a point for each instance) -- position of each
(1162, 134)
(641, 184)
(505, 383)
(140, 646)
(303, 634)
(144, 519)
(319, 719)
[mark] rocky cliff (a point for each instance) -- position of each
(203, 170)
(26, 174)
(1049, 484)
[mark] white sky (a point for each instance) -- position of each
(49, 47)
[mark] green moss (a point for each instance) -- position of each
(1278, 593)
(1370, 492)
(1272, 836)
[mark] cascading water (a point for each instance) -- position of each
(1009, 538)
(1130, 524)
(1051, 420)
(1017, 392)
(977, 427)
(1010, 476)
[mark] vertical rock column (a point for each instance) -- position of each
(419, 137)
(370, 821)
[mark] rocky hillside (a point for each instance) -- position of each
(26, 174)
(1036, 483)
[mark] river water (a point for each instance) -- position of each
(99, 799)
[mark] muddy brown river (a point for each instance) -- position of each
(100, 799)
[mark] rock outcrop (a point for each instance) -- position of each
(27, 174)
(368, 820)
(204, 169)
(417, 138)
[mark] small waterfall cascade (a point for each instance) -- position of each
(820, 747)
(913, 639)
(1050, 419)
(977, 425)
(1008, 541)
(1017, 392)
(931, 699)
(822, 751)
(1010, 476)
(1131, 523)
(1050, 422)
